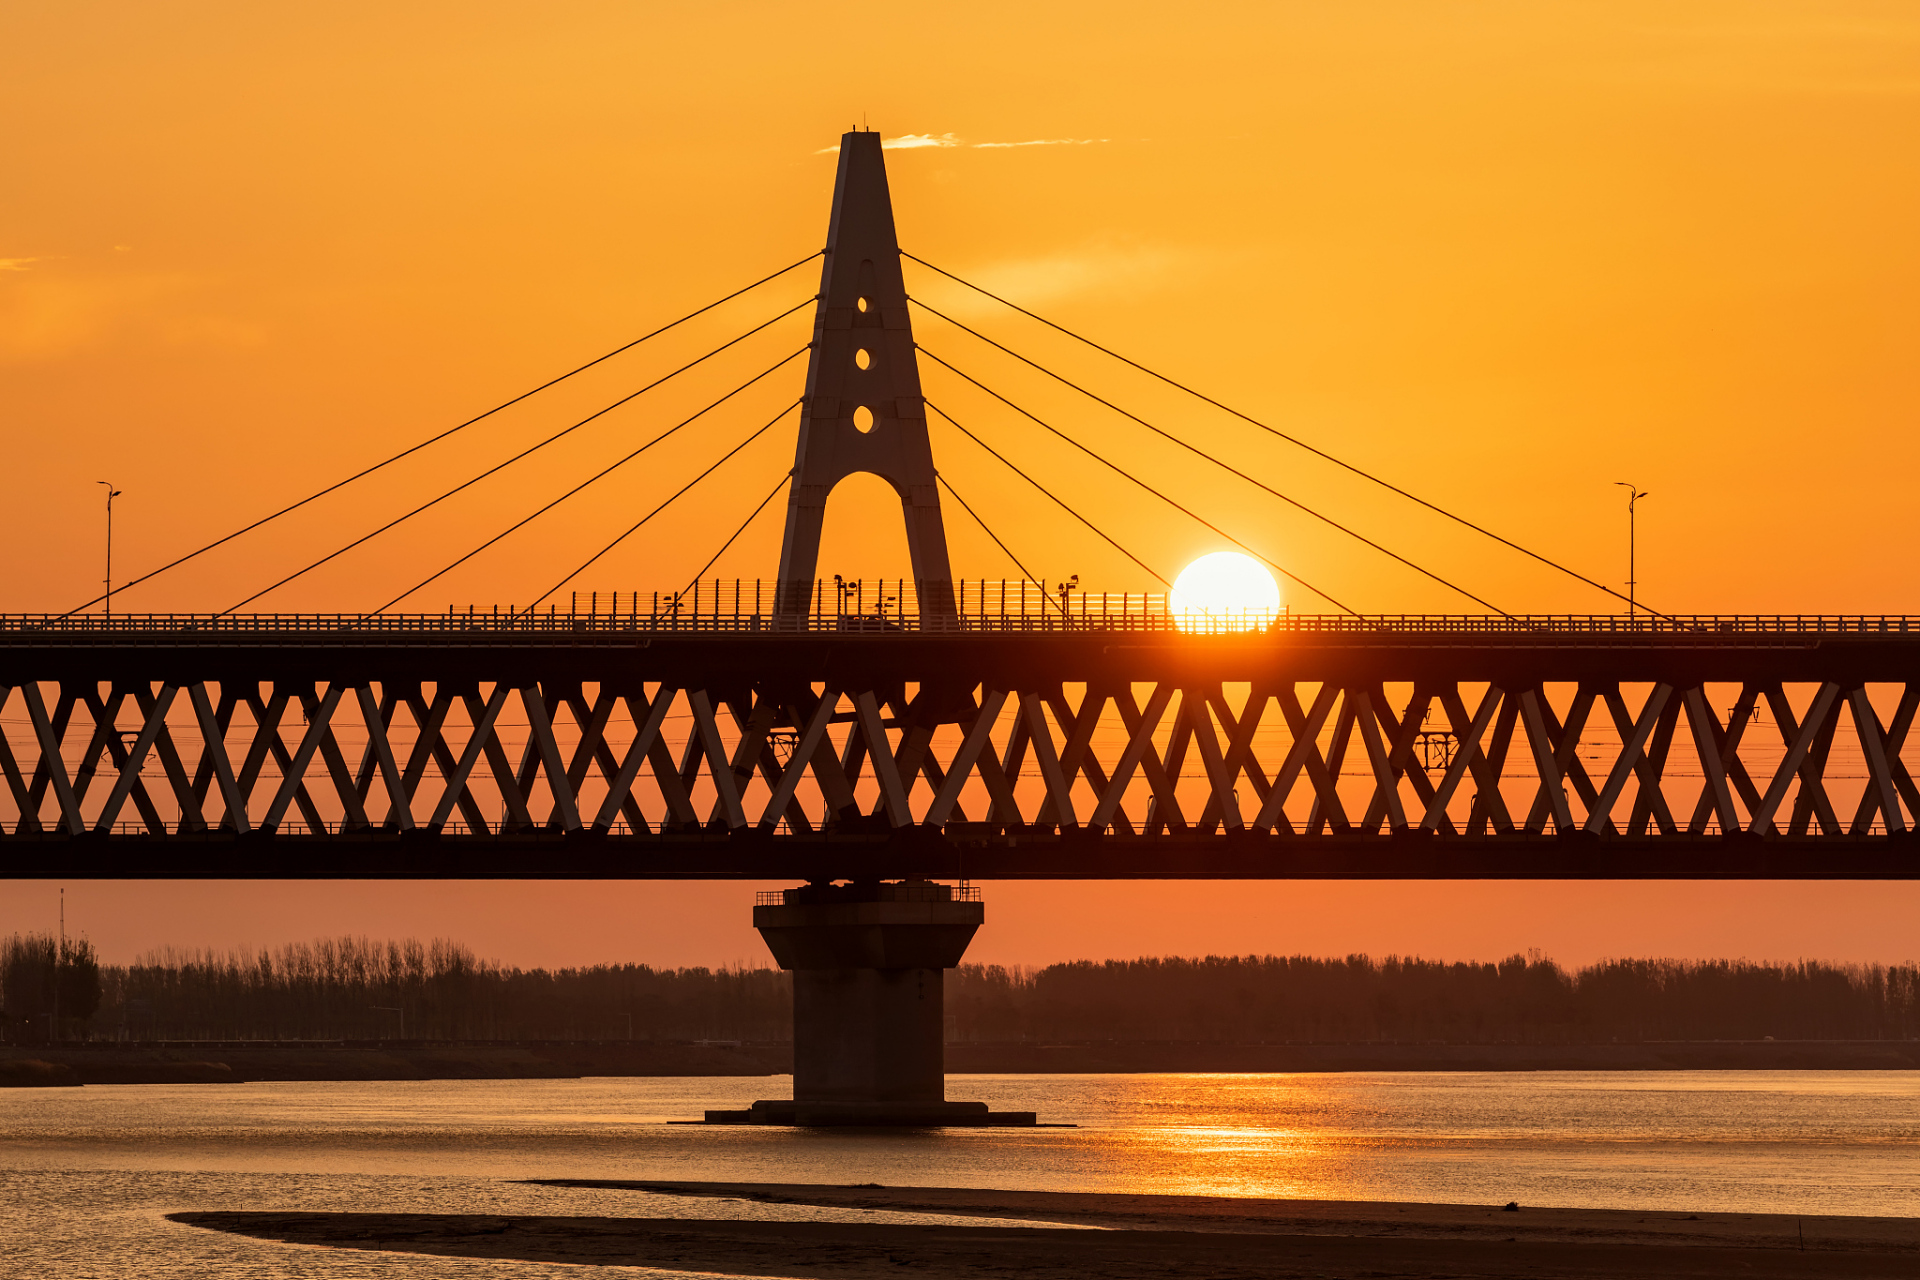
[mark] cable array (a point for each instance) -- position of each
(1273, 431)
(597, 476)
(524, 453)
(1051, 496)
(1077, 444)
(450, 431)
(663, 506)
(1121, 471)
(1197, 452)
(1026, 574)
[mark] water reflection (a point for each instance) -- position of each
(87, 1173)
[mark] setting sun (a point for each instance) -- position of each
(1224, 591)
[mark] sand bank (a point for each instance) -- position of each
(1154, 1236)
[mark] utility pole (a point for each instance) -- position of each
(59, 955)
(112, 493)
(1634, 496)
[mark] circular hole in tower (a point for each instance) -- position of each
(862, 304)
(863, 359)
(863, 419)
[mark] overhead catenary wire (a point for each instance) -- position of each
(1121, 471)
(453, 430)
(657, 510)
(1025, 572)
(1290, 439)
(735, 535)
(532, 449)
(600, 475)
(1159, 577)
(1451, 586)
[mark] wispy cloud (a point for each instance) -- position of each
(915, 141)
(16, 264)
(905, 142)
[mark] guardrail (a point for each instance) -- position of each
(545, 628)
(959, 830)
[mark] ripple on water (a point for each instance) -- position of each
(86, 1175)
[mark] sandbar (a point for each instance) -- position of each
(1179, 1237)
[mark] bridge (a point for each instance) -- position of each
(1016, 740)
(873, 738)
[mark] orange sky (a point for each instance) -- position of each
(1505, 253)
(679, 923)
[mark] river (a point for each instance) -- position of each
(86, 1175)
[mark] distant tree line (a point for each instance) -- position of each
(356, 989)
(1519, 1000)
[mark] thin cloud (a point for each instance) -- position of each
(906, 142)
(915, 141)
(16, 264)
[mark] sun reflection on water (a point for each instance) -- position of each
(1813, 1142)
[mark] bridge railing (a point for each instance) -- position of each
(901, 607)
(775, 897)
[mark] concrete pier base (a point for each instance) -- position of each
(869, 1017)
(898, 1114)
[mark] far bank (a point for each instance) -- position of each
(238, 1062)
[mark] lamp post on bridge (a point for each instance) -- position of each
(1634, 495)
(112, 493)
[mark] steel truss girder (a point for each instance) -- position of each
(1087, 774)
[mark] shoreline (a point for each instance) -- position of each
(231, 1062)
(1178, 1237)
(1400, 1218)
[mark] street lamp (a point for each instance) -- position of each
(1634, 495)
(112, 493)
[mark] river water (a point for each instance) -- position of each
(86, 1175)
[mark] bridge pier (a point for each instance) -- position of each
(869, 1019)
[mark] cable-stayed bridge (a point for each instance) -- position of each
(944, 725)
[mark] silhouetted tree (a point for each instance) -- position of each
(38, 977)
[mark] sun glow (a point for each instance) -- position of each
(1224, 591)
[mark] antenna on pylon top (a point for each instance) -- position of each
(864, 410)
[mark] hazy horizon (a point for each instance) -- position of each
(684, 923)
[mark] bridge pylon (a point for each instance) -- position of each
(864, 410)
